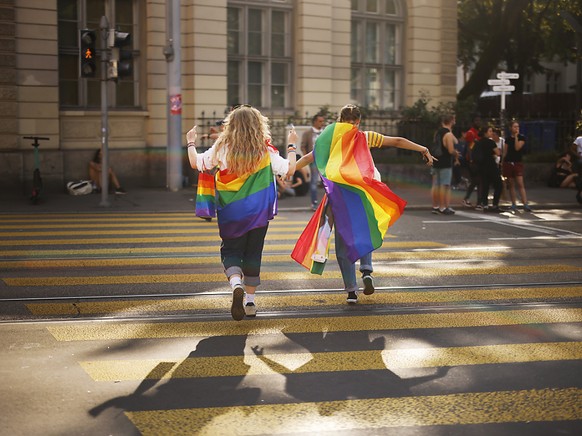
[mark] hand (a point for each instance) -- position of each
(429, 158)
(191, 135)
(292, 138)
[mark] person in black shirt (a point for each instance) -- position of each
(513, 165)
(485, 151)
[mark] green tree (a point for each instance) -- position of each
(516, 34)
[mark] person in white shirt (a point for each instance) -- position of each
(307, 141)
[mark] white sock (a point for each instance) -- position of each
(235, 281)
(250, 298)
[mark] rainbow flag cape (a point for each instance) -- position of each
(362, 208)
(245, 203)
(206, 196)
(312, 248)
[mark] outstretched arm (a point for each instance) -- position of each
(399, 142)
(304, 161)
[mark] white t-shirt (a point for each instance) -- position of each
(578, 142)
(210, 159)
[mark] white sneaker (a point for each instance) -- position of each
(250, 310)
(236, 309)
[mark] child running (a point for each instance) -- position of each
(246, 196)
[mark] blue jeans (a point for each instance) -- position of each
(313, 182)
(347, 268)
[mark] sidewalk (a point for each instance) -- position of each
(161, 200)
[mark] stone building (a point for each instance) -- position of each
(282, 56)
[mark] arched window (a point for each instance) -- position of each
(376, 53)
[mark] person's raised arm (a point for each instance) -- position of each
(292, 151)
(406, 144)
(191, 147)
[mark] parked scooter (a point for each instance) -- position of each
(36, 178)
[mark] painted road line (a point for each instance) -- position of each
(124, 223)
(366, 414)
(394, 271)
(156, 330)
(304, 363)
(100, 217)
(298, 299)
(200, 260)
(149, 231)
(269, 246)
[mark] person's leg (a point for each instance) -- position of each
(434, 191)
(497, 188)
(521, 188)
(313, 181)
(347, 269)
(231, 254)
(511, 181)
(251, 266)
(367, 269)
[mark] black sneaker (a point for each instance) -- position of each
(250, 310)
(368, 284)
(237, 309)
(120, 191)
(352, 297)
(435, 210)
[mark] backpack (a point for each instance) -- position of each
(81, 187)
(436, 149)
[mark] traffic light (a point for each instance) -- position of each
(87, 53)
(121, 63)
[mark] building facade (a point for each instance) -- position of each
(284, 57)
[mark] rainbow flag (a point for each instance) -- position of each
(363, 208)
(312, 248)
(245, 203)
(205, 196)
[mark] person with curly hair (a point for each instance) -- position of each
(245, 165)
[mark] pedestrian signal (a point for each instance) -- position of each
(121, 62)
(88, 53)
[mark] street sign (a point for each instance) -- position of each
(504, 75)
(504, 88)
(492, 82)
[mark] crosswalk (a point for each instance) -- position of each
(457, 339)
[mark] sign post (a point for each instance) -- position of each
(502, 85)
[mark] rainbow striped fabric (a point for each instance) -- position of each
(363, 208)
(205, 196)
(245, 203)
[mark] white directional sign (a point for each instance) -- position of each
(504, 88)
(492, 82)
(504, 75)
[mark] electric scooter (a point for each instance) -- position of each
(36, 179)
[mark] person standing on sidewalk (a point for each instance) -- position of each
(307, 142)
(513, 165)
(246, 196)
(442, 169)
(471, 137)
(489, 169)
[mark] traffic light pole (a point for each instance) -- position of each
(104, 27)
(173, 56)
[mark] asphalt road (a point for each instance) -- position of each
(119, 323)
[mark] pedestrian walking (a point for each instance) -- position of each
(360, 207)
(246, 194)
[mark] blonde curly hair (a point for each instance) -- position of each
(246, 131)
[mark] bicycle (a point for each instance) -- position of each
(36, 178)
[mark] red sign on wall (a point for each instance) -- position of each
(176, 104)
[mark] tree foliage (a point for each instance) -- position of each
(515, 35)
